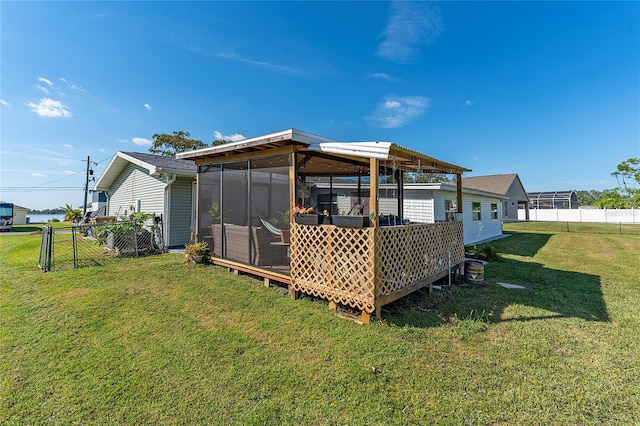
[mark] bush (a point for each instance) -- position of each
(484, 253)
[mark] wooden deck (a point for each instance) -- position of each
(364, 268)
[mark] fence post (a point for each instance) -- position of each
(74, 247)
(46, 248)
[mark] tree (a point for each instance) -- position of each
(611, 199)
(220, 142)
(170, 145)
(627, 195)
(629, 173)
(587, 198)
(424, 177)
(71, 214)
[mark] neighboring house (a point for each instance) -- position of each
(98, 200)
(19, 215)
(425, 203)
(508, 185)
(138, 182)
(554, 200)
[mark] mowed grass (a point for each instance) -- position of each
(157, 341)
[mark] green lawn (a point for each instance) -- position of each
(157, 341)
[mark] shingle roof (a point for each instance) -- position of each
(163, 162)
(155, 164)
(498, 184)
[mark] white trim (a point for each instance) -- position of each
(379, 150)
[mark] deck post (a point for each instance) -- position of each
(374, 164)
(365, 318)
(293, 294)
(459, 192)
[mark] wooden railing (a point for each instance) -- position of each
(408, 254)
(354, 266)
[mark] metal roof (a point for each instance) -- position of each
(401, 157)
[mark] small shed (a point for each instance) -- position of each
(19, 215)
(254, 201)
(139, 182)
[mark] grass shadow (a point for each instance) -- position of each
(548, 293)
(518, 246)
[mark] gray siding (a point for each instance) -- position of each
(180, 201)
(135, 187)
(516, 194)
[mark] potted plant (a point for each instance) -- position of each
(194, 252)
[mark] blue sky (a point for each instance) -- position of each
(549, 90)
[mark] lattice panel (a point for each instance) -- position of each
(406, 254)
(334, 263)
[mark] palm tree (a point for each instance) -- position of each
(71, 214)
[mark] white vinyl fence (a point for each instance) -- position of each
(582, 215)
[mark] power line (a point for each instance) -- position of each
(36, 189)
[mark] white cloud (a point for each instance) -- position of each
(47, 107)
(141, 141)
(398, 111)
(468, 102)
(233, 138)
(382, 76)
(69, 172)
(72, 85)
(392, 104)
(66, 145)
(46, 81)
(5, 103)
(37, 174)
(123, 140)
(147, 107)
(409, 27)
(101, 149)
(43, 89)
(267, 65)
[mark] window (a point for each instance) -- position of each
(450, 209)
(475, 211)
(494, 211)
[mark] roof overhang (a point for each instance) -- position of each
(120, 161)
(393, 155)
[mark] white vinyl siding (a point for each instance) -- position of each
(479, 230)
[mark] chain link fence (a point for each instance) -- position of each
(98, 243)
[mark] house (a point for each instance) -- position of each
(139, 182)
(554, 200)
(19, 215)
(508, 185)
(424, 203)
(248, 191)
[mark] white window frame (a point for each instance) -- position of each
(476, 214)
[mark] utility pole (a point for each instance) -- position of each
(86, 189)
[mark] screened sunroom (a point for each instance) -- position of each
(304, 211)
